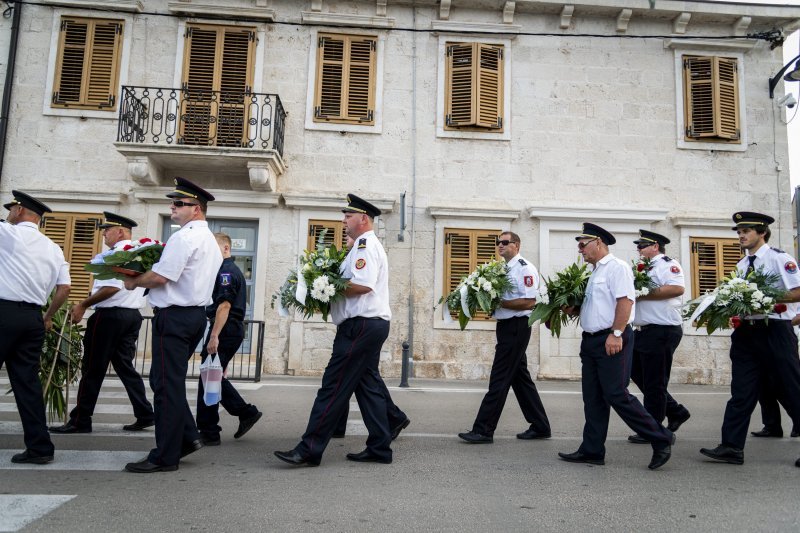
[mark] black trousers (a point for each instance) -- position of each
(510, 371)
(604, 382)
(353, 367)
(176, 333)
(771, 406)
(653, 349)
(761, 352)
(21, 339)
(111, 334)
(230, 339)
(394, 414)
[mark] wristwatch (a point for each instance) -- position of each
(618, 333)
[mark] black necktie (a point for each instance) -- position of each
(750, 268)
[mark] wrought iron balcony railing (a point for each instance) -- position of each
(201, 118)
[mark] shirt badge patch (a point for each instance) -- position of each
(529, 281)
(361, 263)
(224, 279)
(675, 269)
(790, 267)
(362, 243)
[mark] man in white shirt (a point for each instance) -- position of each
(362, 320)
(606, 350)
(180, 284)
(31, 265)
(510, 366)
(110, 337)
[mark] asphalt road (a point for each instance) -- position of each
(436, 482)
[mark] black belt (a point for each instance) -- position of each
(117, 307)
(648, 326)
(24, 305)
(178, 307)
(514, 317)
(365, 318)
(597, 333)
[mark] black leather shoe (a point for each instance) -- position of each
(209, 440)
(795, 432)
(476, 438)
(139, 425)
(69, 427)
(190, 448)
(29, 458)
(677, 422)
(293, 457)
(766, 432)
(246, 424)
(366, 457)
(797, 463)
(532, 434)
(636, 439)
(580, 457)
(337, 436)
(400, 427)
(660, 457)
(726, 454)
(146, 467)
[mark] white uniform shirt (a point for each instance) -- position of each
(366, 264)
(30, 264)
(190, 262)
(611, 278)
(524, 284)
(123, 298)
(663, 271)
(774, 261)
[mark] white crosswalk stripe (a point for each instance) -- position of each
(19, 510)
(81, 460)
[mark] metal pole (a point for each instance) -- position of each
(9, 82)
(406, 365)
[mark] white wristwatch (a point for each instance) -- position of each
(617, 333)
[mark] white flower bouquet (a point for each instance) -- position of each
(642, 282)
(131, 259)
(480, 291)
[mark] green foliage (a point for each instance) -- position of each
(566, 289)
(60, 362)
(484, 290)
(140, 258)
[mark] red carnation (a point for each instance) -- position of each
(144, 240)
(127, 247)
(640, 267)
(780, 308)
(736, 322)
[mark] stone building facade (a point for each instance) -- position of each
(590, 123)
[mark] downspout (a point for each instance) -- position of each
(410, 339)
(9, 82)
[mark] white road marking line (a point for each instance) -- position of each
(19, 510)
(104, 430)
(100, 460)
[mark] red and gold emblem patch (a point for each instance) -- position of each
(529, 281)
(361, 263)
(675, 269)
(790, 267)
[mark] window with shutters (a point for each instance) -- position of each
(474, 86)
(345, 79)
(712, 260)
(711, 99)
(464, 251)
(78, 236)
(88, 64)
(218, 66)
(334, 233)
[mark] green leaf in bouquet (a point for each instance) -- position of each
(484, 301)
(462, 319)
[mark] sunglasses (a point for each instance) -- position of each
(179, 203)
(582, 245)
(505, 242)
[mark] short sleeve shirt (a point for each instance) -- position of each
(524, 284)
(31, 264)
(663, 271)
(611, 278)
(366, 264)
(123, 298)
(230, 286)
(774, 261)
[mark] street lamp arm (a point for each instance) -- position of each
(773, 82)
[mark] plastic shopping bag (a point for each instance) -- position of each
(211, 376)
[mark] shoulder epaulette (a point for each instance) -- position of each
(362, 243)
(777, 250)
(667, 258)
(522, 262)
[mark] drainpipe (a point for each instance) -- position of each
(12, 59)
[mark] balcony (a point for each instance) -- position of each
(227, 140)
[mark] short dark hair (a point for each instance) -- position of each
(661, 248)
(763, 229)
(514, 237)
(203, 207)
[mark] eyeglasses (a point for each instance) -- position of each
(643, 246)
(505, 242)
(582, 245)
(179, 203)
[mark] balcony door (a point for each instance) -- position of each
(218, 64)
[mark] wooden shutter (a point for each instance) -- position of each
(87, 68)
(474, 86)
(345, 83)
(464, 251)
(218, 63)
(712, 260)
(711, 98)
(78, 236)
(335, 234)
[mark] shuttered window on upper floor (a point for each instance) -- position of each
(87, 68)
(78, 236)
(712, 260)
(345, 84)
(334, 233)
(218, 68)
(464, 251)
(474, 86)
(711, 99)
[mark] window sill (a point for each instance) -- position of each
(683, 144)
(200, 10)
(130, 6)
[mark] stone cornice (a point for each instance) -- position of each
(680, 221)
(131, 6)
(608, 215)
(200, 10)
(224, 198)
(474, 27)
(341, 19)
(737, 45)
(72, 197)
(333, 202)
(473, 212)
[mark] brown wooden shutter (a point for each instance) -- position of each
(335, 234)
(489, 112)
(460, 82)
(464, 251)
(78, 237)
(87, 69)
(711, 98)
(712, 260)
(345, 83)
